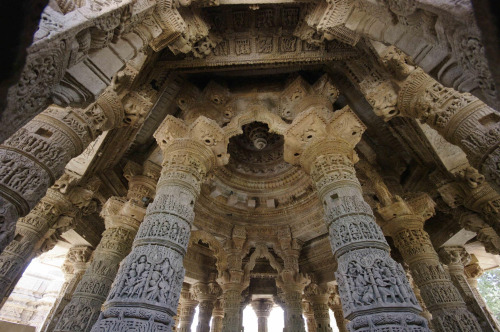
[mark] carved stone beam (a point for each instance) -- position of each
(189, 153)
(323, 143)
(183, 30)
(106, 35)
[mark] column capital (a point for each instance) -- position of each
(454, 256)
(206, 291)
(407, 212)
(317, 293)
(262, 307)
(76, 259)
(203, 139)
(319, 132)
(473, 270)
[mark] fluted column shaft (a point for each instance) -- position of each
(35, 156)
(441, 297)
(455, 257)
(31, 231)
(460, 118)
(74, 268)
(150, 277)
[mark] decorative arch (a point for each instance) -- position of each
(213, 244)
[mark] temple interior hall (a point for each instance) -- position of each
(250, 166)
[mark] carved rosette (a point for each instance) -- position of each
(404, 222)
(373, 288)
(122, 218)
(460, 118)
(146, 291)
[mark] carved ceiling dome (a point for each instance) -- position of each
(257, 152)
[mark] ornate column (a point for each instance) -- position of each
(460, 118)
(262, 308)
(309, 315)
(231, 280)
(374, 289)
(456, 258)
(472, 272)
(217, 316)
(318, 296)
(404, 222)
(122, 217)
(74, 267)
(150, 278)
(187, 309)
(33, 231)
(336, 307)
(291, 281)
(35, 156)
(206, 294)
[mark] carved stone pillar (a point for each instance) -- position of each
(472, 272)
(291, 281)
(318, 296)
(460, 118)
(30, 233)
(122, 217)
(206, 294)
(74, 267)
(187, 309)
(217, 316)
(150, 277)
(231, 295)
(309, 315)
(456, 258)
(336, 307)
(373, 287)
(404, 222)
(35, 156)
(262, 308)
